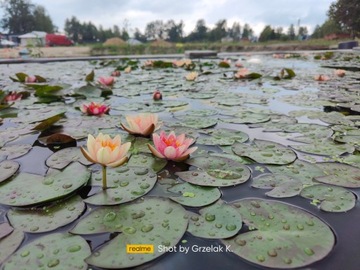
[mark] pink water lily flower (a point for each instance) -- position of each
(242, 73)
(340, 72)
(157, 95)
(106, 81)
(142, 124)
(30, 79)
(13, 96)
(94, 108)
(192, 76)
(106, 151)
(172, 147)
(321, 78)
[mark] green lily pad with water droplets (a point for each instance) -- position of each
(216, 221)
(30, 189)
(247, 118)
(223, 137)
(300, 170)
(47, 218)
(283, 236)
(54, 251)
(7, 169)
(325, 148)
(124, 184)
(62, 158)
(265, 152)
(154, 221)
(15, 151)
(332, 199)
(194, 196)
(339, 174)
(197, 122)
(10, 243)
(282, 186)
(147, 161)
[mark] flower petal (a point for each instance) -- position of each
(118, 162)
(155, 152)
(170, 152)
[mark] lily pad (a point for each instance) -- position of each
(47, 218)
(247, 118)
(125, 184)
(194, 196)
(5, 230)
(7, 169)
(197, 122)
(331, 199)
(325, 148)
(223, 137)
(10, 243)
(282, 186)
(29, 189)
(281, 236)
(62, 158)
(154, 221)
(61, 251)
(339, 174)
(216, 221)
(147, 161)
(265, 152)
(15, 151)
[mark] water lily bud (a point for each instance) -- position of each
(157, 95)
(116, 73)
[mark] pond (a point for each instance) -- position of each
(273, 183)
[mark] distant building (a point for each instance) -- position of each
(34, 38)
(336, 36)
(133, 41)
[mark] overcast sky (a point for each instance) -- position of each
(257, 13)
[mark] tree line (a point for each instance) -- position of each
(22, 16)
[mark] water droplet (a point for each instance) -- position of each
(147, 228)
(74, 248)
(309, 251)
(48, 181)
(25, 253)
(40, 256)
(260, 258)
(194, 218)
(130, 230)
(111, 216)
(195, 174)
(122, 169)
(310, 223)
(300, 227)
(267, 154)
(53, 263)
(272, 253)
(209, 217)
(131, 258)
(252, 213)
(141, 171)
(219, 226)
(138, 192)
(286, 227)
(66, 186)
(240, 242)
(124, 183)
(71, 208)
(287, 260)
(283, 220)
(34, 228)
(144, 186)
(231, 227)
(255, 204)
(166, 243)
(270, 216)
(169, 210)
(56, 251)
(138, 215)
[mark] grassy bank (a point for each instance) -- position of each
(170, 48)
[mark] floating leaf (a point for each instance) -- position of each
(45, 124)
(265, 152)
(284, 236)
(47, 218)
(125, 184)
(59, 251)
(194, 196)
(197, 122)
(216, 221)
(30, 189)
(247, 118)
(15, 150)
(147, 161)
(10, 243)
(154, 221)
(325, 148)
(339, 174)
(333, 199)
(64, 157)
(90, 77)
(5, 230)
(223, 137)
(282, 186)
(7, 169)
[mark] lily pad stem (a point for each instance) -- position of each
(104, 182)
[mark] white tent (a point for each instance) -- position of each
(34, 38)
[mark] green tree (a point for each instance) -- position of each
(235, 31)
(42, 21)
(219, 31)
(199, 33)
(247, 32)
(155, 30)
(73, 29)
(303, 31)
(267, 34)
(18, 17)
(174, 31)
(346, 14)
(291, 32)
(139, 36)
